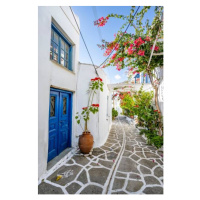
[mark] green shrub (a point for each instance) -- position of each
(114, 113)
(140, 104)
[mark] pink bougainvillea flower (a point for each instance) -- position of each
(153, 161)
(136, 72)
(138, 42)
(101, 21)
(130, 50)
(117, 47)
(118, 67)
(108, 51)
(96, 79)
(141, 52)
(131, 45)
(95, 105)
(120, 59)
(155, 49)
(114, 55)
(147, 38)
(84, 108)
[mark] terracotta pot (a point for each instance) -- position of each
(85, 142)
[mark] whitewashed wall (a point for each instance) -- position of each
(116, 105)
(52, 74)
(99, 123)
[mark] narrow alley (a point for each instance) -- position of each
(125, 164)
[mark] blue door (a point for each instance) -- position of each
(60, 114)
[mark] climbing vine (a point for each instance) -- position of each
(141, 51)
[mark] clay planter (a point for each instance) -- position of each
(85, 142)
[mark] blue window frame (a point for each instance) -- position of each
(61, 49)
(145, 79)
(136, 77)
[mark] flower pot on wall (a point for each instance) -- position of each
(85, 142)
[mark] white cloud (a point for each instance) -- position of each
(117, 77)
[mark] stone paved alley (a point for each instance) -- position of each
(125, 164)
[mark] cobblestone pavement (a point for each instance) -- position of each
(125, 164)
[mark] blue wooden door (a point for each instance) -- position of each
(59, 122)
(63, 122)
(53, 124)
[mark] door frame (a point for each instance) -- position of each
(70, 113)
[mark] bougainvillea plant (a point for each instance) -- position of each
(134, 50)
(139, 103)
(148, 117)
(95, 85)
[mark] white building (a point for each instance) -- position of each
(62, 85)
(134, 84)
(100, 123)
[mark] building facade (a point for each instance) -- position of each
(62, 82)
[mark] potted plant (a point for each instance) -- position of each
(86, 139)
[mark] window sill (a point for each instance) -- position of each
(62, 66)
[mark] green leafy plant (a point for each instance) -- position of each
(114, 113)
(96, 84)
(135, 50)
(148, 117)
(140, 103)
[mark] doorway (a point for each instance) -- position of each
(60, 118)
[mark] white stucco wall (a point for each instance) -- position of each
(116, 105)
(99, 124)
(52, 74)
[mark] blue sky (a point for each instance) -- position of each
(87, 16)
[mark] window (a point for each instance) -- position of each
(61, 49)
(137, 78)
(52, 108)
(147, 79)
